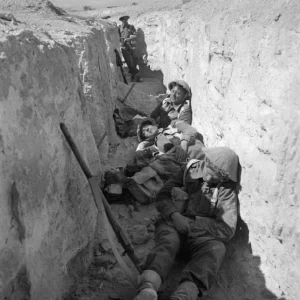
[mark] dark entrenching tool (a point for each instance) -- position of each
(105, 212)
(120, 64)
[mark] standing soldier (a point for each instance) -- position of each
(127, 34)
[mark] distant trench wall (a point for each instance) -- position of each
(241, 59)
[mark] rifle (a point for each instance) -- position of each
(129, 91)
(101, 203)
(120, 64)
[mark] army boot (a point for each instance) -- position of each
(187, 290)
(149, 283)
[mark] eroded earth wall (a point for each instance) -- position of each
(52, 70)
(241, 59)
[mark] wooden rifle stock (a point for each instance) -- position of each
(97, 193)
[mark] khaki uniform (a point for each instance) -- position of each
(165, 113)
(212, 223)
(171, 136)
(128, 47)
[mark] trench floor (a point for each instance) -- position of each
(240, 277)
(104, 280)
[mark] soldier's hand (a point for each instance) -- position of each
(166, 106)
(180, 223)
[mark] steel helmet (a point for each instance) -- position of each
(224, 159)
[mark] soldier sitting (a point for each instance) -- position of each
(174, 107)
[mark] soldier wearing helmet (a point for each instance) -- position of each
(175, 107)
(183, 139)
(127, 34)
(200, 228)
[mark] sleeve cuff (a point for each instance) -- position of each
(170, 212)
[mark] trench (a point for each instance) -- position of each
(241, 61)
(105, 279)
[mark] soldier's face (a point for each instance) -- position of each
(149, 130)
(125, 21)
(210, 175)
(177, 95)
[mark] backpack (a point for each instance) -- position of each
(145, 185)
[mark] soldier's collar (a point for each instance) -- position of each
(196, 170)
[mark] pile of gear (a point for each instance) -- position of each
(142, 180)
(161, 138)
(195, 190)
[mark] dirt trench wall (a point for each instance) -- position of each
(64, 73)
(242, 62)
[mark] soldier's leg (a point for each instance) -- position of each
(167, 244)
(206, 257)
(128, 57)
(135, 63)
(159, 262)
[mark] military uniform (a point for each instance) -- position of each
(128, 47)
(212, 211)
(167, 113)
(167, 138)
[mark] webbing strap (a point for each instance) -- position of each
(189, 164)
(214, 199)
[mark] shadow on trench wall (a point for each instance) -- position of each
(240, 277)
(141, 55)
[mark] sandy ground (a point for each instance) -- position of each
(94, 4)
(113, 9)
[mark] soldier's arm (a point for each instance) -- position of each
(164, 203)
(132, 34)
(185, 114)
(224, 225)
(159, 98)
(146, 149)
(188, 132)
(156, 112)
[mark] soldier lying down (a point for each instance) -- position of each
(181, 139)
